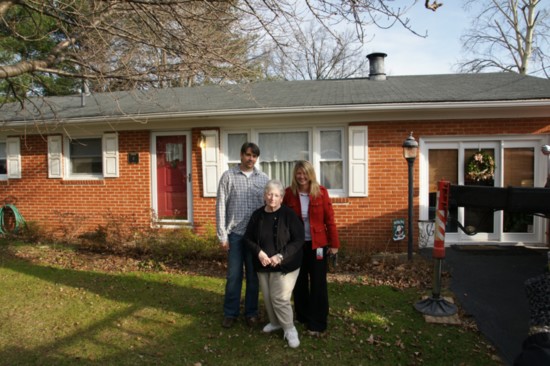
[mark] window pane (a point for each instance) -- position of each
(332, 175)
(331, 145)
(3, 168)
(235, 141)
(519, 171)
(482, 219)
(86, 156)
(519, 167)
(279, 152)
(443, 164)
(284, 146)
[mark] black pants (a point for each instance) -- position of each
(310, 292)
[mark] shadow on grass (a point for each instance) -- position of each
(162, 319)
(173, 308)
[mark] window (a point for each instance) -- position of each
(3, 160)
(234, 143)
(326, 148)
(85, 157)
(516, 163)
(331, 162)
(280, 151)
(519, 171)
(10, 158)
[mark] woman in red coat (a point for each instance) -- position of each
(311, 202)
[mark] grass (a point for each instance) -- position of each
(58, 316)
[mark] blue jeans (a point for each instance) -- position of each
(237, 256)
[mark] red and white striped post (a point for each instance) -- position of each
(443, 188)
(436, 305)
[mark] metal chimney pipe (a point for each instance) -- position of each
(376, 63)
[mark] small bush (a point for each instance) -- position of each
(119, 235)
(32, 232)
(71, 226)
(181, 245)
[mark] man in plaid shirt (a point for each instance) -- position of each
(240, 192)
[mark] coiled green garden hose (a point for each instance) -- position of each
(19, 220)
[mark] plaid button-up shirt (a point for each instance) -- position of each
(237, 197)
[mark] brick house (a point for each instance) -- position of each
(162, 151)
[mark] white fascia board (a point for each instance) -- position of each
(527, 108)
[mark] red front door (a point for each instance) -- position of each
(171, 177)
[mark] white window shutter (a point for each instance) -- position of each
(110, 155)
(13, 150)
(55, 156)
(358, 161)
(210, 162)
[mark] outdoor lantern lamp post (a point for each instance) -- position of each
(410, 149)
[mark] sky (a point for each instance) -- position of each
(409, 54)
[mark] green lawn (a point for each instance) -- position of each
(56, 316)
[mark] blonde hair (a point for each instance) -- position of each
(307, 167)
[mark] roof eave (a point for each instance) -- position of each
(390, 110)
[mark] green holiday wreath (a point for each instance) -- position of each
(480, 167)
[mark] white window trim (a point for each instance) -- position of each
(501, 142)
(317, 157)
(314, 149)
(224, 143)
(112, 157)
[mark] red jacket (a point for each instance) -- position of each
(321, 218)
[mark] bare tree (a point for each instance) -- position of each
(315, 54)
(507, 35)
(140, 44)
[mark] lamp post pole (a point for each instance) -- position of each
(410, 149)
(410, 163)
(545, 149)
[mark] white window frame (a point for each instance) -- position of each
(317, 157)
(226, 163)
(314, 139)
(499, 143)
(111, 157)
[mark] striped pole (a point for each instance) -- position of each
(436, 305)
(443, 188)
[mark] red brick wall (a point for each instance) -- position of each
(362, 222)
(56, 202)
(367, 222)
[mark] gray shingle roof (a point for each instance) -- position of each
(430, 89)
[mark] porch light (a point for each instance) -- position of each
(202, 142)
(410, 149)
